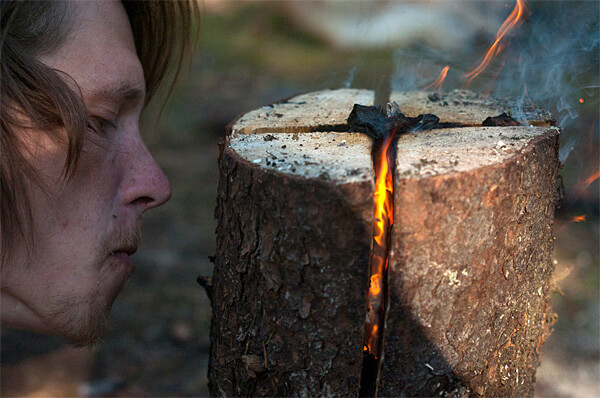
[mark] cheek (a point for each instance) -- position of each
(97, 176)
(76, 214)
(46, 156)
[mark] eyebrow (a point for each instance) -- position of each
(120, 91)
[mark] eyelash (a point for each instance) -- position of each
(100, 125)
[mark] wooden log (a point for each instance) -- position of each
(471, 262)
(470, 256)
(288, 287)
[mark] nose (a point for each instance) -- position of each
(145, 186)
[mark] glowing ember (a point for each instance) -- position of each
(439, 82)
(581, 100)
(580, 218)
(515, 17)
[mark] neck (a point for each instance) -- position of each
(15, 313)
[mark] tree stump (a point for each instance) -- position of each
(469, 263)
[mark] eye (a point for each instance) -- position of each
(100, 125)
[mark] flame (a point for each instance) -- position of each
(375, 288)
(581, 100)
(384, 159)
(383, 189)
(580, 218)
(582, 186)
(580, 189)
(591, 179)
(488, 90)
(515, 17)
(439, 82)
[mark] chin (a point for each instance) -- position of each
(82, 318)
(81, 323)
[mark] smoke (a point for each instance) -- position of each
(553, 61)
(350, 79)
(550, 61)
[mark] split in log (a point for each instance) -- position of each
(470, 251)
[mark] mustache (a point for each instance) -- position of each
(126, 240)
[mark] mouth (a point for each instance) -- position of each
(127, 250)
(123, 257)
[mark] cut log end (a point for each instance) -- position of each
(328, 110)
(344, 158)
(339, 157)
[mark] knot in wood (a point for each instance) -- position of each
(254, 365)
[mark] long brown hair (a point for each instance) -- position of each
(34, 96)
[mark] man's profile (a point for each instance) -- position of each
(75, 173)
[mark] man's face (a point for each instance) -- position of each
(85, 229)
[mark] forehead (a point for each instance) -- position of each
(99, 53)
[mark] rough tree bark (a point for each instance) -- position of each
(470, 260)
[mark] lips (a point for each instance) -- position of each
(114, 272)
(123, 256)
(128, 250)
(120, 246)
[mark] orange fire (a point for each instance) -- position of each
(580, 218)
(591, 179)
(515, 17)
(439, 82)
(381, 228)
(383, 191)
(582, 186)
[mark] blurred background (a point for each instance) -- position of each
(253, 53)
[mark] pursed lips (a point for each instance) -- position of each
(122, 255)
(128, 250)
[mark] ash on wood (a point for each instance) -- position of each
(470, 256)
